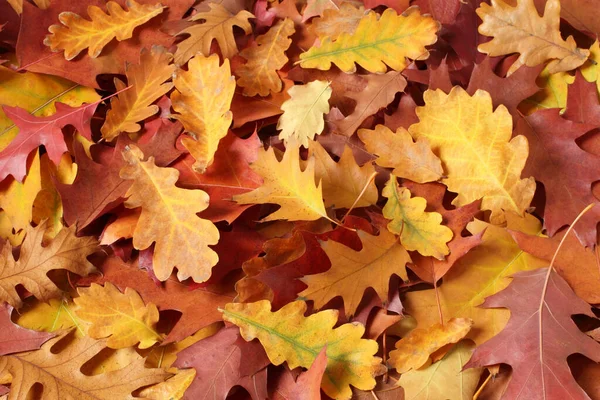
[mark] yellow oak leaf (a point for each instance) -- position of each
(591, 69)
(76, 33)
(169, 220)
(172, 388)
(336, 21)
(53, 316)
(16, 201)
(218, 25)
(40, 98)
(376, 42)
(61, 377)
(445, 379)
(121, 228)
(202, 98)
(410, 160)
(288, 336)
(520, 29)
(553, 93)
(17, 5)
(122, 317)
(475, 146)
(303, 113)
(48, 203)
(65, 251)
(287, 185)
(483, 271)
(259, 74)
(343, 181)
(148, 81)
(413, 351)
(352, 272)
(419, 230)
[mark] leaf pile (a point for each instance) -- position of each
(299, 199)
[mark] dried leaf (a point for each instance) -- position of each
(76, 33)
(154, 190)
(202, 98)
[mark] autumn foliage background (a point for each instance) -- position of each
(299, 199)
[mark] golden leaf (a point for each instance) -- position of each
(343, 181)
(288, 336)
(75, 34)
(16, 201)
(483, 271)
(419, 230)
(287, 185)
(169, 219)
(445, 379)
(53, 316)
(61, 377)
(591, 69)
(259, 74)
(202, 98)
(337, 21)
(122, 317)
(520, 29)
(173, 388)
(352, 272)
(302, 117)
(65, 251)
(553, 93)
(410, 160)
(148, 80)
(475, 146)
(218, 25)
(412, 351)
(375, 43)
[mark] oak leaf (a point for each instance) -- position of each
(541, 326)
(590, 70)
(343, 182)
(302, 117)
(431, 269)
(444, 379)
(46, 131)
(221, 362)
(553, 93)
(410, 160)
(65, 251)
(380, 90)
(482, 272)
(171, 295)
(288, 336)
(413, 351)
(202, 98)
(308, 384)
(376, 43)
(520, 29)
(352, 272)
(317, 7)
(259, 74)
(336, 21)
(287, 185)
(218, 25)
(566, 170)
(419, 230)
(122, 317)
(181, 238)
(45, 91)
(60, 372)
(471, 154)
(52, 316)
(76, 33)
(148, 81)
(17, 199)
(15, 339)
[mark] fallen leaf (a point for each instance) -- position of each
(350, 358)
(418, 230)
(376, 43)
(76, 33)
(202, 98)
(154, 190)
